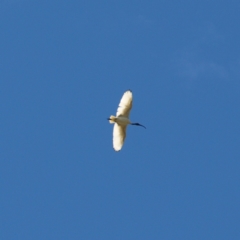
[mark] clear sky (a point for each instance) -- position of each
(64, 66)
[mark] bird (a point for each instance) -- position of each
(121, 120)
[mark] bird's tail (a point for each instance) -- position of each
(112, 119)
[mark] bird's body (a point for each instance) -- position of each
(122, 120)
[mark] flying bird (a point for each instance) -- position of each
(122, 120)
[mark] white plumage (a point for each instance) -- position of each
(119, 135)
(122, 120)
(125, 104)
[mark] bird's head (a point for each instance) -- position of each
(111, 119)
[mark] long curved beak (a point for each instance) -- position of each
(138, 124)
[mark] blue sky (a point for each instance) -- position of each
(64, 66)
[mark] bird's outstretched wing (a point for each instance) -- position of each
(125, 104)
(119, 134)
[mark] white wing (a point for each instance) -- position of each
(125, 104)
(119, 134)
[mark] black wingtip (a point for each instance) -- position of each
(116, 150)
